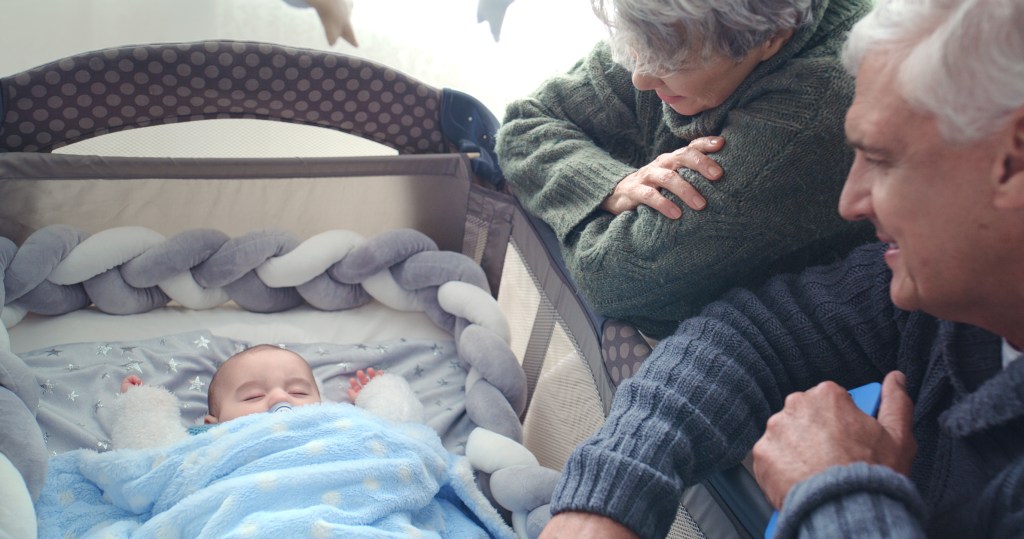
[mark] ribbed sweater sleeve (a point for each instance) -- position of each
(1001, 506)
(856, 500)
(702, 398)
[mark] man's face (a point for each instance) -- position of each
(929, 200)
(258, 379)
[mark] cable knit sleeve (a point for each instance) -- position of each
(702, 398)
(564, 148)
(785, 161)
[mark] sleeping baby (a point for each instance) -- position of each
(321, 470)
(261, 378)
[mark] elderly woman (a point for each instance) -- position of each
(613, 155)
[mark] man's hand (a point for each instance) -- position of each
(822, 427)
(585, 525)
(644, 186)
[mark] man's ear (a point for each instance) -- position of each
(1010, 191)
(210, 420)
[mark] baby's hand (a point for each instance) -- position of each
(359, 381)
(130, 381)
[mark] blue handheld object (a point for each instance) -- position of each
(867, 398)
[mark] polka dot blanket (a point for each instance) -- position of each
(332, 470)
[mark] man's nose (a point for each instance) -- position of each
(855, 200)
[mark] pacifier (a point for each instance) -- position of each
(281, 407)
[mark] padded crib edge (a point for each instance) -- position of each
(129, 270)
(26, 451)
(17, 514)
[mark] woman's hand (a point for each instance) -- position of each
(644, 186)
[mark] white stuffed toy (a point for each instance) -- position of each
(145, 416)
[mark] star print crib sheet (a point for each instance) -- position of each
(79, 381)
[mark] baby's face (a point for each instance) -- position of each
(255, 381)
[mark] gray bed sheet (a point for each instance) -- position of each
(79, 381)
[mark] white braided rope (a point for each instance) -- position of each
(311, 258)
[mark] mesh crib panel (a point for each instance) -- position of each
(565, 404)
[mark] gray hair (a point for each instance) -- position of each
(960, 60)
(657, 36)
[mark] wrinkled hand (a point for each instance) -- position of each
(822, 427)
(585, 525)
(130, 381)
(359, 381)
(644, 186)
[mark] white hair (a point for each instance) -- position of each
(657, 36)
(960, 60)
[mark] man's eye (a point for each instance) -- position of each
(873, 159)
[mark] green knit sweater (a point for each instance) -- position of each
(564, 148)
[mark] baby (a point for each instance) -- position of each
(258, 379)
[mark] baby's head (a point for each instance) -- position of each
(255, 379)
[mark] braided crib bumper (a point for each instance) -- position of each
(129, 270)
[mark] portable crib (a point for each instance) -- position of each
(310, 242)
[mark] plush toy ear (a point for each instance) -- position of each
(336, 16)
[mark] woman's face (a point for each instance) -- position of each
(698, 86)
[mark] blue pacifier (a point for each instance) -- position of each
(281, 407)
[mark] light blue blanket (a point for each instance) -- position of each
(332, 470)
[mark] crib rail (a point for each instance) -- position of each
(136, 86)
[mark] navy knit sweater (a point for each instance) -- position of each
(703, 397)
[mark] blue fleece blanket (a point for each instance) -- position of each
(321, 471)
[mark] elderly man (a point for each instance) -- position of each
(936, 309)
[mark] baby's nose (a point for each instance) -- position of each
(278, 395)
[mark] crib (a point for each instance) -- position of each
(415, 260)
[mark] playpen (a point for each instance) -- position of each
(418, 262)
